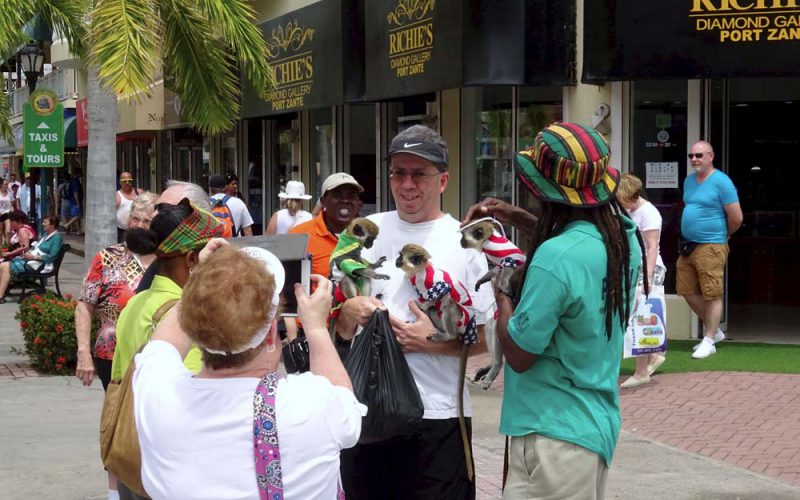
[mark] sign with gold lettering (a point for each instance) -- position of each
(420, 46)
(690, 39)
(412, 46)
(305, 49)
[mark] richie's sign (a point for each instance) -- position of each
(742, 21)
(292, 62)
(690, 39)
(411, 36)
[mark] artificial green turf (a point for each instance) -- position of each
(730, 357)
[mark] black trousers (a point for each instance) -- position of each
(428, 465)
(103, 369)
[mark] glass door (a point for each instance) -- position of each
(658, 156)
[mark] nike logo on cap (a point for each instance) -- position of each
(407, 145)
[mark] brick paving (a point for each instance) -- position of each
(17, 370)
(749, 420)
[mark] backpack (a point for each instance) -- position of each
(221, 211)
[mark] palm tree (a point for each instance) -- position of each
(203, 44)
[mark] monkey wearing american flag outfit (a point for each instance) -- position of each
(487, 235)
(449, 307)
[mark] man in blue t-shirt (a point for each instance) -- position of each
(712, 213)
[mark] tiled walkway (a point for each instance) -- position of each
(750, 420)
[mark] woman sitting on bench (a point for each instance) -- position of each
(44, 252)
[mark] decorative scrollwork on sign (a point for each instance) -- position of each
(409, 11)
(291, 37)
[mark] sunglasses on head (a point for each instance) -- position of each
(695, 155)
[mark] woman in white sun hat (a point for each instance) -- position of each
(293, 214)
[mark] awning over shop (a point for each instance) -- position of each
(6, 148)
(632, 39)
(317, 58)
(419, 46)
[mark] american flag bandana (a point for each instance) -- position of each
(432, 284)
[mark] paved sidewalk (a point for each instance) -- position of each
(48, 431)
(747, 420)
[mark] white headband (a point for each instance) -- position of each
(275, 268)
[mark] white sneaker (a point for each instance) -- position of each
(704, 350)
(718, 337)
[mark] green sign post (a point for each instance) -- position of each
(43, 119)
(43, 144)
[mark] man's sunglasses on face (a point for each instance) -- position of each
(695, 155)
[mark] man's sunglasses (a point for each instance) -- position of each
(695, 155)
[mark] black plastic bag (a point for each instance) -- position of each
(383, 382)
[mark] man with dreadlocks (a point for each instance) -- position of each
(563, 340)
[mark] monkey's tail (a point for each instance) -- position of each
(462, 423)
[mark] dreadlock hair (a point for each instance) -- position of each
(553, 218)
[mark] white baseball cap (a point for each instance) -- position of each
(339, 179)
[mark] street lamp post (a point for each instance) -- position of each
(31, 58)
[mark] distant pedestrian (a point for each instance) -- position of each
(23, 195)
(75, 197)
(229, 207)
(6, 206)
(563, 340)
(647, 218)
(286, 218)
(712, 213)
(125, 196)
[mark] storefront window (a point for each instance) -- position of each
(362, 153)
(658, 156)
(322, 150)
(254, 183)
(538, 108)
(285, 156)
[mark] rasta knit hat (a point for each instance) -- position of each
(568, 163)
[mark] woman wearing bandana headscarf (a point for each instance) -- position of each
(177, 234)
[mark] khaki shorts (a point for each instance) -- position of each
(703, 272)
(542, 468)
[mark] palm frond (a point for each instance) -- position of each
(204, 71)
(124, 36)
(68, 17)
(6, 130)
(13, 16)
(236, 20)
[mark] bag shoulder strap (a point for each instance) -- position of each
(265, 439)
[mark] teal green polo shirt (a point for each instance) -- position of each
(570, 393)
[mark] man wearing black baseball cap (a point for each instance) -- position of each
(430, 463)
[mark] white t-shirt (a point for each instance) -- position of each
(287, 221)
(24, 198)
(196, 434)
(5, 202)
(241, 216)
(647, 218)
(436, 375)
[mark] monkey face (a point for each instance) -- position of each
(412, 258)
(475, 236)
(363, 230)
